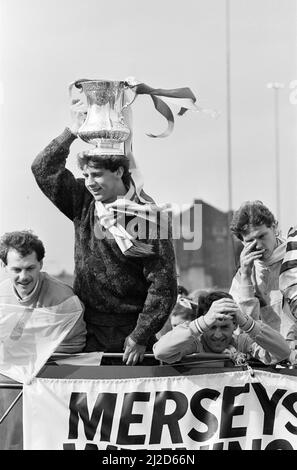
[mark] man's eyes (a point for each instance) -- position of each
(15, 270)
(96, 175)
(260, 237)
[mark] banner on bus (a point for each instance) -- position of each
(225, 411)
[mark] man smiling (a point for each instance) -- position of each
(39, 315)
(28, 288)
(260, 264)
(128, 285)
(23, 272)
(104, 184)
(212, 331)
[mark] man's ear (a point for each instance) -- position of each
(275, 228)
(120, 171)
(41, 263)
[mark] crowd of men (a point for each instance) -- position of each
(125, 287)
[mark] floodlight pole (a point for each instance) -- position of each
(276, 86)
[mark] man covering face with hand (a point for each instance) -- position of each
(260, 264)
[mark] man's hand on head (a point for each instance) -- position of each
(133, 352)
(78, 112)
(244, 321)
(222, 309)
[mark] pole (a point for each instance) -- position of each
(228, 106)
(231, 246)
(277, 163)
(276, 86)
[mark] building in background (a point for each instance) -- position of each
(213, 264)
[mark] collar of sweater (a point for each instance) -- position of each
(33, 294)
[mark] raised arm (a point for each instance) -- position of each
(55, 181)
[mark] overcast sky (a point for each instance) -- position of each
(45, 44)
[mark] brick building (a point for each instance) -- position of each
(212, 263)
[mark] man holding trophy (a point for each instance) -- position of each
(126, 282)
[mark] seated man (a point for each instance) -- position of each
(22, 254)
(212, 331)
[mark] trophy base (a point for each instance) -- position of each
(107, 148)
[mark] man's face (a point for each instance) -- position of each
(265, 236)
(219, 335)
(23, 271)
(104, 185)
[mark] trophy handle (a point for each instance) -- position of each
(70, 89)
(131, 101)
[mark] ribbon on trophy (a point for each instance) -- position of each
(106, 127)
(184, 98)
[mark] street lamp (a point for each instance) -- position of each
(231, 249)
(276, 86)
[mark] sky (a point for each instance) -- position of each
(46, 44)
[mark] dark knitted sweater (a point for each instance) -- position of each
(115, 289)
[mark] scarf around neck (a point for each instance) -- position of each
(129, 205)
(288, 274)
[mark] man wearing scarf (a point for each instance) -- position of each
(288, 275)
(128, 286)
(260, 264)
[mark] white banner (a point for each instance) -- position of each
(29, 336)
(226, 411)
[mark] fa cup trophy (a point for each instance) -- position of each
(104, 126)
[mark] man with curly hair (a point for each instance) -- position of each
(39, 315)
(260, 264)
(128, 285)
(28, 288)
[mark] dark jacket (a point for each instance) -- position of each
(115, 289)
